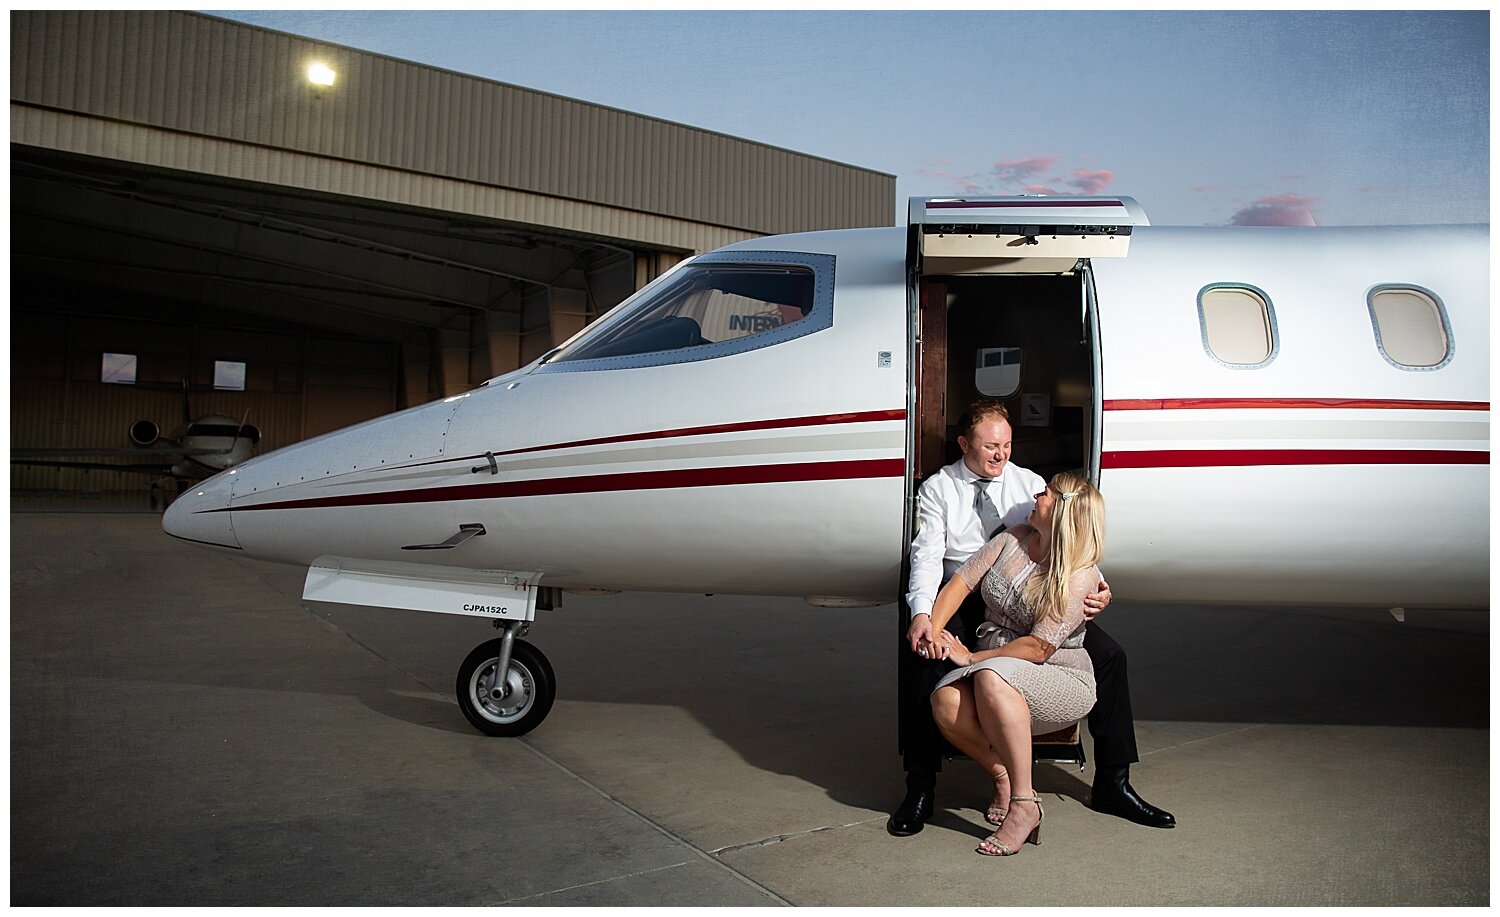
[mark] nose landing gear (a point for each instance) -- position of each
(506, 686)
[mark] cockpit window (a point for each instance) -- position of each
(727, 302)
(707, 305)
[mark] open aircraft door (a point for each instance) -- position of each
(1004, 308)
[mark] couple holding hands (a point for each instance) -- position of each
(1004, 585)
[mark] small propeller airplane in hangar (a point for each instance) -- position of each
(1294, 416)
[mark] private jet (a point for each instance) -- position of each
(1274, 415)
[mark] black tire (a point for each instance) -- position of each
(533, 687)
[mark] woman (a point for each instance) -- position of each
(1030, 673)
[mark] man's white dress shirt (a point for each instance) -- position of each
(949, 530)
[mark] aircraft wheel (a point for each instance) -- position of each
(526, 694)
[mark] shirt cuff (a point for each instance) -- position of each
(920, 606)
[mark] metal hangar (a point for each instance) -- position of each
(210, 217)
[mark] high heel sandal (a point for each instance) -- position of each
(995, 815)
(995, 846)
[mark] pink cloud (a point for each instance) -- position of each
(1283, 210)
(1020, 171)
(1026, 175)
(1087, 181)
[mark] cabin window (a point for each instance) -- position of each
(997, 371)
(118, 369)
(721, 304)
(1238, 324)
(1411, 327)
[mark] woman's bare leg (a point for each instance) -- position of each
(954, 711)
(1005, 719)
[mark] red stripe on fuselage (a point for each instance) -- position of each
(1195, 404)
(740, 427)
(1213, 458)
(606, 483)
(1020, 205)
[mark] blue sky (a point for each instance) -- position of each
(1205, 118)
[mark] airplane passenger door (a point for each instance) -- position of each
(1005, 296)
(1020, 234)
(932, 423)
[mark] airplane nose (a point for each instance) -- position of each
(201, 514)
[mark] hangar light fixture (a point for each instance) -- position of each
(320, 74)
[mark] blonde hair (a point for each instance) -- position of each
(1077, 542)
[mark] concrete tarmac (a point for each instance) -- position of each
(186, 731)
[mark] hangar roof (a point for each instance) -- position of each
(188, 91)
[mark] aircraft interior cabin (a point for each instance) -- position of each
(1005, 312)
(1016, 338)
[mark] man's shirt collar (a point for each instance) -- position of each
(965, 475)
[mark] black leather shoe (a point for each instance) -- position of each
(911, 816)
(1113, 795)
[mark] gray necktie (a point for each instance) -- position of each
(984, 508)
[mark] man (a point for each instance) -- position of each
(959, 509)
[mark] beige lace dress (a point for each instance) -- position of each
(1059, 691)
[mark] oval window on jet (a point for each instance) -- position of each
(1239, 325)
(1411, 327)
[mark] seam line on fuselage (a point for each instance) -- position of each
(211, 544)
(795, 472)
(664, 453)
(708, 430)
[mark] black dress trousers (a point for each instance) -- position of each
(922, 746)
(1110, 722)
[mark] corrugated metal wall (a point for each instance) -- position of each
(296, 386)
(56, 130)
(212, 78)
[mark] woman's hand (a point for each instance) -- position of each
(957, 652)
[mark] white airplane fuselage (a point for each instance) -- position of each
(1327, 475)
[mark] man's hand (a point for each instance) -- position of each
(920, 632)
(919, 635)
(1097, 602)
